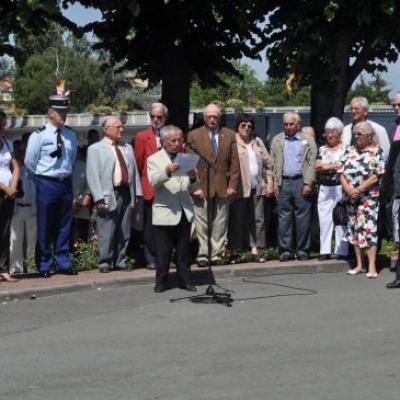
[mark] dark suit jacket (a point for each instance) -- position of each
(226, 170)
(145, 144)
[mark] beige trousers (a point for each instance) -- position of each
(219, 226)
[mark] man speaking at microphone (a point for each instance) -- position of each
(218, 146)
(172, 209)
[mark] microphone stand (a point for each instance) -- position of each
(211, 295)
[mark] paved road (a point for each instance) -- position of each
(280, 340)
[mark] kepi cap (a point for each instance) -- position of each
(59, 102)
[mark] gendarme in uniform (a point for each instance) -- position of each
(51, 155)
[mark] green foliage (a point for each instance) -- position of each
(35, 80)
(84, 255)
(245, 90)
(376, 90)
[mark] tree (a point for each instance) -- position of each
(376, 90)
(328, 43)
(23, 17)
(174, 40)
(66, 59)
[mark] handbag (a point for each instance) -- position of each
(339, 213)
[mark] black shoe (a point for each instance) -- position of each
(104, 270)
(188, 287)
(202, 263)
(302, 256)
(44, 274)
(285, 257)
(257, 258)
(218, 262)
(159, 288)
(324, 257)
(394, 285)
(343, 258)
(69, 271)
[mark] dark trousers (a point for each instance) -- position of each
(6, 211)
(166, 239)
(54, 220)
(294, 212)
(148, 238)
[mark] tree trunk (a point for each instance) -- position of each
(329, 86)
(175, 93)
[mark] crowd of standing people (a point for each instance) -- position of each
(220, 201)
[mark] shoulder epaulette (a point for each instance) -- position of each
(72, 129)
(40, 129)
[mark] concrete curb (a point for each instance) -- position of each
(200, 275)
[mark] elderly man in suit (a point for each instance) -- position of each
(146, 143)
(218, 146)
(293, 154)
(172, 209)
(114, 183)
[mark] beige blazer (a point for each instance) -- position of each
(309, 155)
(171, 193)
(264, 162)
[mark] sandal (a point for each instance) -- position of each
(257, 258)
(354, 271)
(6, 277)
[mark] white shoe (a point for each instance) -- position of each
(372, 275)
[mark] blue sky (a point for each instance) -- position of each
(82, 15)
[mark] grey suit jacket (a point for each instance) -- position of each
(172, 193)
(100, 172)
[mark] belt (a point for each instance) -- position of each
(59, 179)
(294, 177)
(24, 204)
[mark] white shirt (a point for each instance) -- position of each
(381, 134)
(253, 164)
(5, 162)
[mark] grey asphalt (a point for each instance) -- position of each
(287, 336)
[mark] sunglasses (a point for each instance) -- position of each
(394, 105)
(246, 125)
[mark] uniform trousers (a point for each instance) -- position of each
(113, 230)
(328, 196)
(219, 226)
(294, 216)
(54, 220)
(6, 210)
(166, 239)
(23, 230)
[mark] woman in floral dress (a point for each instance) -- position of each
(362, 168)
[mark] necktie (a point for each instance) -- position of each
(122, 164)
(352, 141)
(58, 152)
(214, 144)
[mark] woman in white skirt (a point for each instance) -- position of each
(330, 190)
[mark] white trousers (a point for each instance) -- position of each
(327, 198)
(23, 225)
(395, 217)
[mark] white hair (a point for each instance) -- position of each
(160, 105)
(335, 123)
(369, 130)
(166, 130)
(362, 101)
(294, 115)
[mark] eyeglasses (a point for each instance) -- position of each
(357, 134)
(156, 116)
(246, 125)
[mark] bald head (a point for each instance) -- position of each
(212, 116)
(396, 104)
